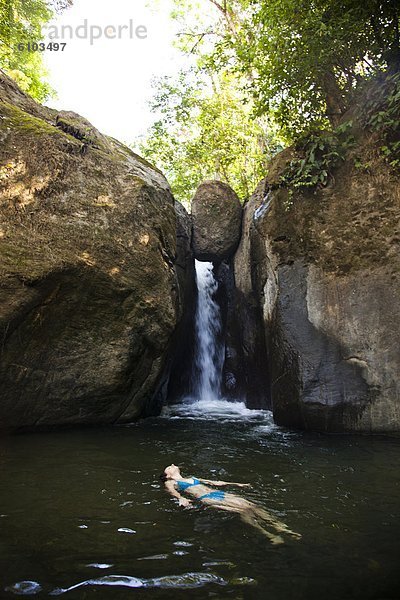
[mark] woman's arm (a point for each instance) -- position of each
(222, 483)
(170, 487)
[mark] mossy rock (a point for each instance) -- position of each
(89, 294)
(19, 119)
(79, 128)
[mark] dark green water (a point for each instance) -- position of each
(87, 508)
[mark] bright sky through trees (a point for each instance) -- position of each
(109, 82)
(243, 78)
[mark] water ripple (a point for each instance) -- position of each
(24, 588)
(187, 580)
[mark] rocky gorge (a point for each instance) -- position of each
(97, 283)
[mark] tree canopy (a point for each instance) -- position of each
(302, 59)
(282, 67)
(204, 131)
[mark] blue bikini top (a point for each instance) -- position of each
(183, 485)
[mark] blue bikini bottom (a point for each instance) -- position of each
(217, 495)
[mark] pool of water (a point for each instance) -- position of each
(84, 515)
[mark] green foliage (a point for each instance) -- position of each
(299, 66)
(310, 56)
(21, 22)
(362, 165)
(302, 60)
(317, 155)
(381, 113)
(206, 131)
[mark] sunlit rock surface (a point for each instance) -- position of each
(89, 294)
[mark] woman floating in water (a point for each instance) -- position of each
(249, 513)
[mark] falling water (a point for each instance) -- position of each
(209, 349)
(206, 400)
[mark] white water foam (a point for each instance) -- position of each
(217, 409)
(206, 402)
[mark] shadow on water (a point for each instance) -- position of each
(83, 514)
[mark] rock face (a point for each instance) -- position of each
(217, 217)
(180, 380)
(245, 371)
(325, 270)
(89, 294)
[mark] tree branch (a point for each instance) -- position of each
(229, 17)
(222, 9)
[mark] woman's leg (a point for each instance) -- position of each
(252, 515)
(279, 526)
(249, 518)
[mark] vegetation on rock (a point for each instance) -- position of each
(381, 114)
(318, 153)
(284, 71)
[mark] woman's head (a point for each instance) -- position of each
(171, 472)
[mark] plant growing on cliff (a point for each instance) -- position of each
(317, 155)
(381, 113)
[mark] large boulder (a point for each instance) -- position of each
(89, 294)
(217, 217)
(325, 269)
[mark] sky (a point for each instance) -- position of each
(109, 80)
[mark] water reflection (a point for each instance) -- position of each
(341, 493)
(187, 581)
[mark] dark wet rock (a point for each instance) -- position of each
(245, 372)
(217, 216)
(325, 269)
(81, 129)
(183, 343)
(89, 290)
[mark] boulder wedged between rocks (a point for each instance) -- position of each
(217, 218)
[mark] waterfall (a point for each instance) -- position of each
(205, 400)
(209, 352)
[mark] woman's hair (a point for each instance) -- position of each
(163, 476)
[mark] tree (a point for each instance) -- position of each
(21, 22)
(206, 131)
(302, 60)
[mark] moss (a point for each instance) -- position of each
(22, 120)
(108, 153)
(22, 261)
(26, 122)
